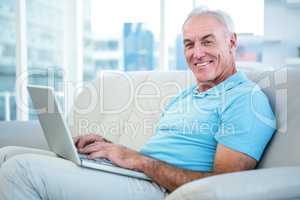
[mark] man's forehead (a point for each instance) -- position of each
(204, 34)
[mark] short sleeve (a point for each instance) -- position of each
(247, 124)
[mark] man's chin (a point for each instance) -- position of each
(203, 77)
(205, 81)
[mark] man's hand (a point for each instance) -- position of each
(84, 140)
(96, 146)
(117, 154)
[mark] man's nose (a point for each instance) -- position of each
(198, 52)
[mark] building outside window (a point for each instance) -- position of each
(7, 59)
(138, 47)
(45, 30)
(125, 37)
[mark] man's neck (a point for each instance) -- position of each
(203, 86)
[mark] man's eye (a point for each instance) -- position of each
(207, 43)
(188, 45)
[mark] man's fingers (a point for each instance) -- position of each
(98, 154)
(90, 148)
(93, 147)
(87, 139)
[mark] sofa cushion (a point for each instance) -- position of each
(263, 184)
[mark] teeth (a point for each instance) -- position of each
(202, 64)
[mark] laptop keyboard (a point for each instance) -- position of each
(102, 161)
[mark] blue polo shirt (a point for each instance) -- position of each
(235, 113)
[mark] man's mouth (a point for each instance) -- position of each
(203, 64)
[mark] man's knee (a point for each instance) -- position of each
(8, 152)
(11, 151)
(17, 176)
(11, 165)
(16, 171)
(24, 167)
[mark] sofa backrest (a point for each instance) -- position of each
(125, 107)
(128, 105)
(283, 92)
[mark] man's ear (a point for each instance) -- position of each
(233, 41)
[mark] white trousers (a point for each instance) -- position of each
(31, 174)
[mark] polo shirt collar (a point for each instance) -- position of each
(231, 82)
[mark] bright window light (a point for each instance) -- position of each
(109, 15)
(248, 16)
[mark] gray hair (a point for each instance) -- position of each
(221, 16)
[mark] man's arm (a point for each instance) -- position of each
(170, 177)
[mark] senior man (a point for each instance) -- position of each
(210, 128)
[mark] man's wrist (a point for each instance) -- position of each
(143, 162)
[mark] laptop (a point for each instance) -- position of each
(59, 138)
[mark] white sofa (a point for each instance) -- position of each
(125, 108)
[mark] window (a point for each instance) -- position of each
(88, 43)
(117, 35)
(45, 45)
(242, 13)
(7, 59)
(176, 12)
(124, 37)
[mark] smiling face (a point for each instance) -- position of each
(209, 49)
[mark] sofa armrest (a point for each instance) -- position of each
(22, 133)
(271, 183)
